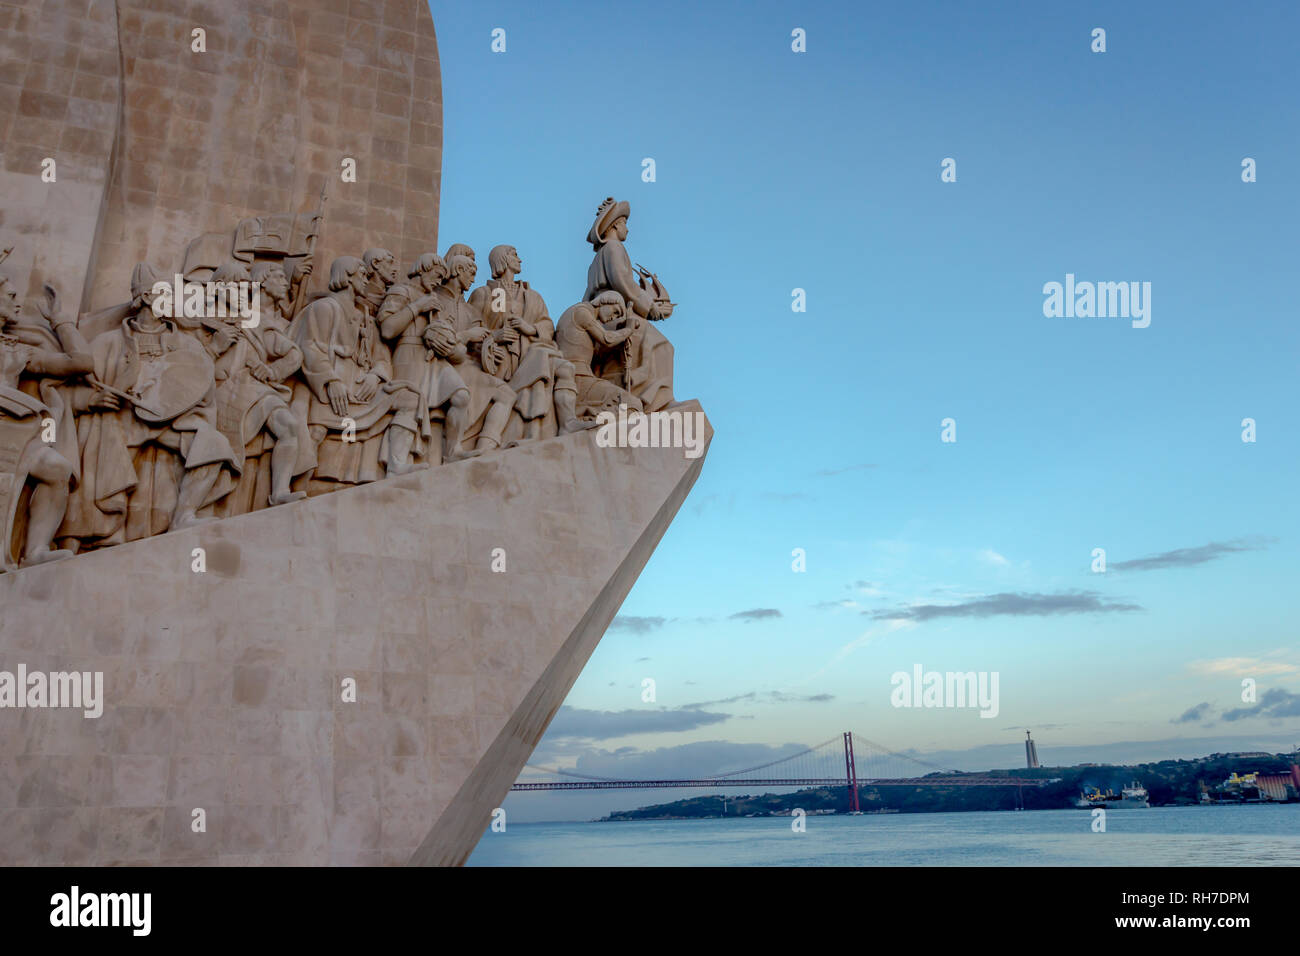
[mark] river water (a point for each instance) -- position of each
(1251, 835)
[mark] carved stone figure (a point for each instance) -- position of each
(363, 421)
(252, 369)
(383, 268)
(222, 306)
(532, 364)
(39, 461)
(426, 353)
(491, 400)
(587, 331)
(460, 249)
(151, 454)
(275, 286)
(645, 365)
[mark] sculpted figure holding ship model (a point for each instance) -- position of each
(644, 366)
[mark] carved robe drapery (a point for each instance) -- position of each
(131, 469)
(26, 405)
(341, 347)
(244, 404)
(644, 366)
(413, 362)
(483, 387)
(531, 363)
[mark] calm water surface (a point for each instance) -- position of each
(1256, 835)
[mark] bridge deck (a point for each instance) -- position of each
(962, 781)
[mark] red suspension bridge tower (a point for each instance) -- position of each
(850, 771)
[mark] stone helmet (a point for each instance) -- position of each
(143, 278)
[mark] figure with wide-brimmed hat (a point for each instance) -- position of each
(644, 366)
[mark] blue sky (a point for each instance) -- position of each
(821, 171)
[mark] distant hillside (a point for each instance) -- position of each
(1169, 782)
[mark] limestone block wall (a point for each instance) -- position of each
(155, 143)
(260, 121)
(59, 99)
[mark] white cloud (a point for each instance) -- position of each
(866, 637)
(1241, 667)
(847, 602)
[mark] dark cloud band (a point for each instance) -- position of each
(1008, 605)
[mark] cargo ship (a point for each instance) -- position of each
(1132, 796)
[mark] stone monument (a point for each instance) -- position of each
(306, 536)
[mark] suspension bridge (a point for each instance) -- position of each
(832, 763)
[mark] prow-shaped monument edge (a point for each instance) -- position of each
(354, 678)
(460, 826)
